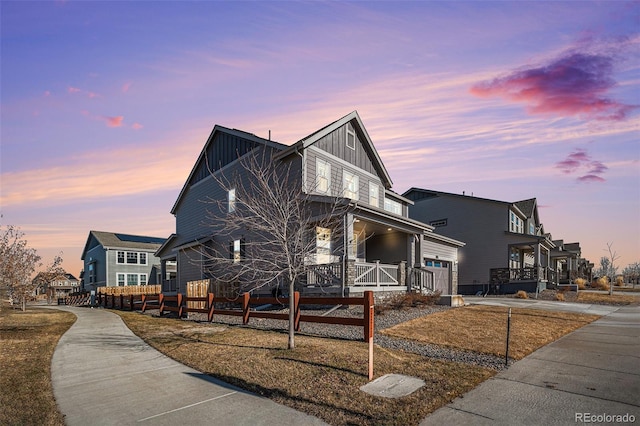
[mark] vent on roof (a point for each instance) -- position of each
(139, 239)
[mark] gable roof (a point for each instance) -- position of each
(124, 241)
(356, 121)
(202, 158)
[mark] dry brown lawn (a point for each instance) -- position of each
(320, 376)
(605, 299)
(27, 342)
(484, 329)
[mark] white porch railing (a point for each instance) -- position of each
(376, 275)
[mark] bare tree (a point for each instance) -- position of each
(612, 268)
(18, 262)
(266, 233)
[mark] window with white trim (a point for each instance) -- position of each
(351, 138)
(237, 251)
(121, 280)
(120, 257)
(132, 258)
(393, 206)
(132, 279)
(323, 245)
(351, 183)
(515, 223)
(232, 200)
(143, 258)
(323, 176)
(374, 194)
(143, 279)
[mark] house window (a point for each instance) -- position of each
(132, 279)
(393, 206)
(323, 245)
(132, 257)
(323, 175)
(515, 223)
(120, 257)
(237, 251)
(232, 200)
(351, 184)
(532, 229)
(120, 280)
(438, 223)
(374, 194)
(143, 279)
(351, 138)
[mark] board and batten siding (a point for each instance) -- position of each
(481, 224)
(97, 254)
(335, 143)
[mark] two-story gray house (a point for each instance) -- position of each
(506, 245)
(381, 248)
(113, 259)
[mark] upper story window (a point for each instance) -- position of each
(351, 138)
(532, 229)
(237, 251)
(232, 200)
(131, 258)
(374, 194)
(438, 223)
(351, 184)
(515, 223)
(393, 206)
(323, 175)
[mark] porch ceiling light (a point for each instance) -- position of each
(389, 229)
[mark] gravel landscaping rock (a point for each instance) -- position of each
(383, 321)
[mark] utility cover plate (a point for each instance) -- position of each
(393, 386)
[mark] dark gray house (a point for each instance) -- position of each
(506, 248)
(113, 259)
(380, 247)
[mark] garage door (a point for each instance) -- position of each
(440, 271)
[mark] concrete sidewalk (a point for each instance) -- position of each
(594, 371)
(103, 374)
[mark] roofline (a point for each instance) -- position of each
(315, 136)
(234, 132)
(510, 203)
(445, 239)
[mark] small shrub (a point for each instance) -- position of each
(521, 295)
(619, 281)
(560, 297)
(581, 283)
(603, 283)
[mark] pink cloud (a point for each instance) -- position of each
(137, 126)
(575, 84)
(126, 86)
(114, 121)
(590, 178)
(46, 93)
(73, 89)
(580, 161)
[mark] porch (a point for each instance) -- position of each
(511, 280)
(359, 276)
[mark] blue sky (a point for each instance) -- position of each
(106, 105)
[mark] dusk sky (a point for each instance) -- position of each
(106, 105)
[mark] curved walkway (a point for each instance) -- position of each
(591, 372)
(103, 374)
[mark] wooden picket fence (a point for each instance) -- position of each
(131, 290)
(241, 307)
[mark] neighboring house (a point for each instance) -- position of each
(112, 259)
(381, 248)
(567, 263)
(57, 285)
(506, 245)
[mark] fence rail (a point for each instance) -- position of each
(181, 305)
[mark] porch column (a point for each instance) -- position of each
(419, 243)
